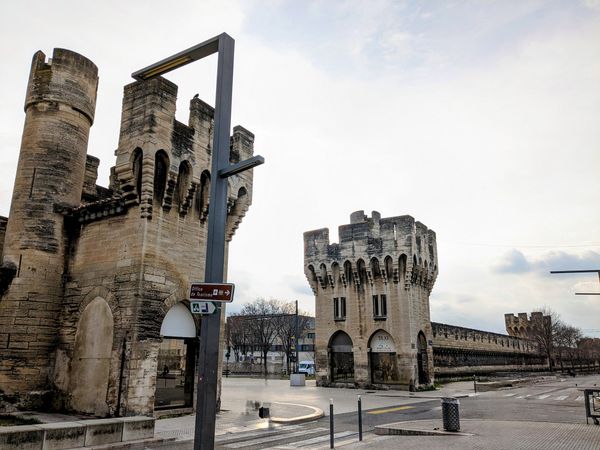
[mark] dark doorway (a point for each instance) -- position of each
(422, 359)
(175, 373)
(341, 358)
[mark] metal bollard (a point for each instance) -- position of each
(330, 423)
(450, 414)
(359, 419)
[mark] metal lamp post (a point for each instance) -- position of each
(222, 44)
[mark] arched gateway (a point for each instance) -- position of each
(176, 360)
(341, 358)
(383, 361)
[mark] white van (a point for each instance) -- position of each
(306, 367)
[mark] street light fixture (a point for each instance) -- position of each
(580, 271)
(223, 45)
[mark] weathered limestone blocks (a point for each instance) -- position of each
(373, 286)
(89, 273)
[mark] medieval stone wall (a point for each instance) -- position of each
(125, 255)
(459, 350)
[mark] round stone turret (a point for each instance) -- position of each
(59, 106)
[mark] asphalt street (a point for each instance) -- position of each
(558, 401)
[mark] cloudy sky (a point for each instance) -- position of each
(479, 118)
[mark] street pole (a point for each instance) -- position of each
(359, 419)
(296, 339)
(221, 169)
(210, 325)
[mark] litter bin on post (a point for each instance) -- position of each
(450, 414)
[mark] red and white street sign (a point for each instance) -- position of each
(216, 292)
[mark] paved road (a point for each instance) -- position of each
(532, 409)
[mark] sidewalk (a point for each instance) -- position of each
(486, 434)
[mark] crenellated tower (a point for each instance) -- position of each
(522, 326)
(59, 111)
(93, 278)
(372, 300)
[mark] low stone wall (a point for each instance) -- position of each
(85, 433)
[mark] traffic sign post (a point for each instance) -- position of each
(221, 169)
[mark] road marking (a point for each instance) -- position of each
(510, 395)
(383, 411)
(316, 440)
(277, 437)
(579, 399)
(524, 396)
(542, 397)
(561, 397)
(253, 433)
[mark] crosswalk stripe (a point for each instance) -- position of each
(542, 397)
(316, 440)
(510, 395)
(277, 437)
(561, 397)
(524, 396)
(579, 399)
(253, 433)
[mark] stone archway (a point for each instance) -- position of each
(90, 367)
(176, 359)
(341, 358)
(422, 359)
(383, 362)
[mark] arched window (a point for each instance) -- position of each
(402, 266)
(389, 266)
(348, 271)
(313, 275)
(375, 271)
(335, 272)
(323, 271)
(203, 195)
(183, 182)
(161, 169)
(137, 171)
(362, 271)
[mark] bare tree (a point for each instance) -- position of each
(261, 327)
(545, 327)
(567, 339)
(238, 337)
(286, 329)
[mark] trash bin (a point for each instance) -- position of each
(450, 414)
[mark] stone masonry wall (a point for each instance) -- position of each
(394, 256)
(128, 253)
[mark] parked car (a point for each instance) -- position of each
(306, 367)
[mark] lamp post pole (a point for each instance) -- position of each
(210, 326)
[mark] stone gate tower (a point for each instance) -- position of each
(94, 281)
(372, 301)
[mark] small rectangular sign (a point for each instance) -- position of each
(203, 308)
(216, 292)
